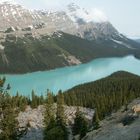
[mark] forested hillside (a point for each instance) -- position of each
(106, 95)
(28, 54)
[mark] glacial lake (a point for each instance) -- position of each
(68, 77)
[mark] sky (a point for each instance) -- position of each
(123, 14)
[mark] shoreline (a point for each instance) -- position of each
(70, 66)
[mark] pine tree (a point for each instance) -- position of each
(83, 129)
(95, 120)
(60, 107)
(8, 124)
(80, 124)
(8, 87)
(34, 103)
(49, 116)
(55, 126)
(60, 115)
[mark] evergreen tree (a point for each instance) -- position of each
(49, 116)
(55, 126)
(60, 108)
(84, 128)
(34, 103)
(80, 124)
(95, 120)
(8, 123)
(49, 106)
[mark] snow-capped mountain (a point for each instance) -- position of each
(13, 15)
(32, 40)
(73, 20)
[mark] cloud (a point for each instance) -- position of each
(93, 15)
(87, 15)
(98, 15)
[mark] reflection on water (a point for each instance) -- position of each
(65, 78)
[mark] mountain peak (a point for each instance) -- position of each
(88, 24)
(77, 13)
(73, 6)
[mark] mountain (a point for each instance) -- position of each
(27, 54)
(73, 20)
(32, 40)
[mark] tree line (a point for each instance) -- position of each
(105, 95)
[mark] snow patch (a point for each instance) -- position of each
(8, 1)
(118, 42)
(122, 43)
(1, 47)
(94, 15)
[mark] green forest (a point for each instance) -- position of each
(47, 53)
(104, 96)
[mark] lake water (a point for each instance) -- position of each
(66, 78)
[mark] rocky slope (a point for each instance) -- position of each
(73, 20)
(122, 125)
(34, 119)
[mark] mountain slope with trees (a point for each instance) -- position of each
(106, 95)
(28, 54)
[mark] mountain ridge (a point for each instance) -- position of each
(40, 40)
(74, 20)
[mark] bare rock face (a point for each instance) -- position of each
(136, 108)
(122, 125)
(10, 29)
(73, 20)
(33, 118)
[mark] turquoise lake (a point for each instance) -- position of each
(66, 78)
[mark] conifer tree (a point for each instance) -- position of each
(34, 103)
(54, 126)
(49, 116)
(80, 124)
(96, 120)
(8, 123)
(60, 107)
